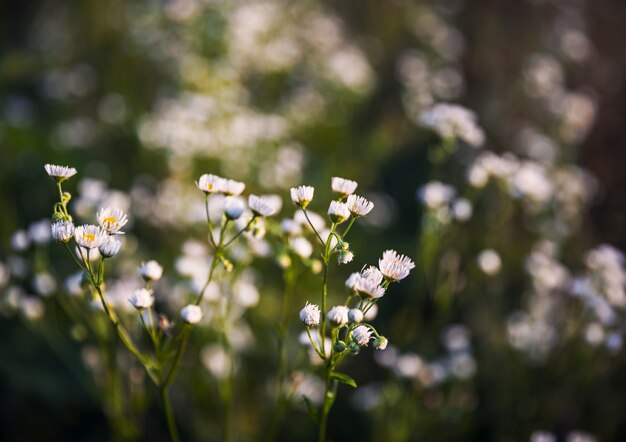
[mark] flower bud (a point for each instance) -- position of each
(380, 343)
(339, 347)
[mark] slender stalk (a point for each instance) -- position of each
(326, 405)
(169, 414)
(239, 233)
(306, 215)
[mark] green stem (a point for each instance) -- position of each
(327, 404)
(169, 414)
(238, 233)
(345, 232)
(306, 215)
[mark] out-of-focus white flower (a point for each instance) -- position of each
(89, 236)
(44, 284)
(362, 335)
(338, 315)
(39, 231)
(191, 314)
(215, 359)
(343, 186)
(532, 182)
(542, 436)
(32, 308)
(317, 220)
(110, 247)
(142, 298)
(451, 120)
(355, 316)
(310, 315)
(290, 227)
(353, 281)
(233, 207)
(338, 212)
(580, 436)
(371, 312)
(20, 240)
(358, 205)
(302, 195)
(209, 183)
(62, 231)
(233, 188)
(489, 261)
(112, 220)
(462, 209)
(301, 247)
(59, 173)
(151, 270)
(436, 194)
(394, 266)
(260, 207)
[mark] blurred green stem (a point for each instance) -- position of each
(169, 414)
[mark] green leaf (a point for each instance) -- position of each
(344, 379)
(312, 410)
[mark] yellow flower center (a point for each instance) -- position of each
(109, 220)
(90, 237)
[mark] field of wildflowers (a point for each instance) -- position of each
(285, 220)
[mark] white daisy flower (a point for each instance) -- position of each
(343, 186)
(452, 120)
(191, 314)
(142, 298)
(209, 183)
(112, 220)
(395, 267)
(62, 231)
(89, 236)
(373, 274)
(338, 212)
(233, 207)
(362, 335)
(151, 270)
(59, 173)
(368, 289)
(355, 316)
(310, 315)
(290, 227)
(110, 247)
(260, 207)
(233, 188)
(338, 315)
(302, 196)
(359, 206)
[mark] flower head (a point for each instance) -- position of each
(302, 196)
(345, 257)
(343, 186)
(395, 267)
(59, 173)
(373, 274)
(142, 298)
(233, 207)
(260, 207)
(209, 183)
(362, 335)
(151, 270)
(62, 231)
(368, 289)
(233, 188)
(191, 314)
(338, 212)
(359, 206)
(89, 236)
(110, 247)
(338, 315)
(112, 220)
(310, 315)
(380, 343)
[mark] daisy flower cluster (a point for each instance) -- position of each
(341, 330)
